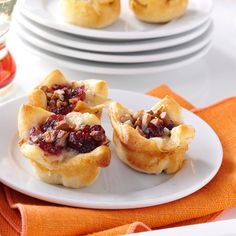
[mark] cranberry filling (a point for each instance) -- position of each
(87, 138)
(61, 99)
(51, 122)
(55, 135)
(37, 136)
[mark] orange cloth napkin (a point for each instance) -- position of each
(28, 216)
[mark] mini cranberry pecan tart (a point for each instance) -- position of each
(151, 141)
(63, 149)
(59, 96)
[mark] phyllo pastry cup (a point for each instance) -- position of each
(151, 141)
(90, 14)
(68, 150)
(60, 96)
(158, 11)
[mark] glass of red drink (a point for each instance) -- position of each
(7, 64)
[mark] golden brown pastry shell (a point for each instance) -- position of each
(96, 93)
(158, 11)
(91, 13)
(153, 155)
(74, 170)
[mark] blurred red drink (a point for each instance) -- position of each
(7, 65)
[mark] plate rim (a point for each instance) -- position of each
(104, 69)
(93, 33)
(181, 50)
(117, 47)
(135, 204)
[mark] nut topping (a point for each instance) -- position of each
(163, 115)
(146, 118)
(138, 122)
(49, 136)
(166, 131)
(137, 114)
(61, 138)
(61, 99)
(63, 125)
(157, 122)
(159, 111)
(151, 124)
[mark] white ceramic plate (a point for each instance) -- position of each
(139, 57)
(109, 68)
(47, 13)
(77, 42)
(118, 186)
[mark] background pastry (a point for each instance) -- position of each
(68, 150)
(60, 96)
(151, 141)
(158, 11)
(90, 13)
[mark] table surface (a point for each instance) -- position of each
(206, 81)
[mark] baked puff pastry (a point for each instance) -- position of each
(90, 13)
(60, 96)
(69, 150)
(158, 11)
(151, 141)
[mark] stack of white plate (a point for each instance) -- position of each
(127, 47)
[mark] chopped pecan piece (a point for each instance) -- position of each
(159, 111)
(146, 118)
(166, 131)
(49, 95)
(61, 138)
(137, 114)
(150, 112)
(59, 92)
(49, 136)
(138, 122)
(62, 125)
(157, 122)
(163, 115)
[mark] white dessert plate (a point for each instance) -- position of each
(138, 57)
(127, 27)
(118, 186)
(78, 42)
(109, 68)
